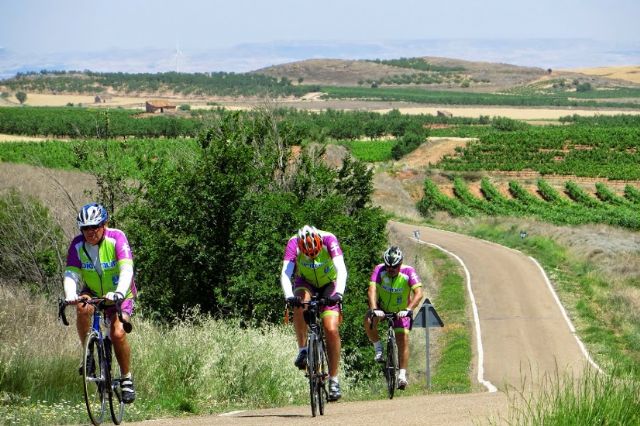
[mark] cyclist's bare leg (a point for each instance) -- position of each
(120, 345)
(332, 335)
(84, 316)
(402, 339)
(298, 320)
(372, 333)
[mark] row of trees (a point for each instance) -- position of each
(442, 97)
(608, 150)
(575, 208)
(312, 126)
(202, 84)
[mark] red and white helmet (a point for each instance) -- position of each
(309, 241)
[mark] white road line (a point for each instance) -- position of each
(231, 413)
(476, 319)
(566, 317)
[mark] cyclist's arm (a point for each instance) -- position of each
(341, 270)
(126, 276)
(70, 284)
(372, 295)
(285, 278)
(416, 297)
(125, 262)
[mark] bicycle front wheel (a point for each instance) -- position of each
(312, 368)
(116, 404)
(322, 375)
(93, 374)
(391, 364)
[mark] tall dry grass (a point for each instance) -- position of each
(198, 365)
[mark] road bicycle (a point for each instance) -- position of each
(97, 366)
(390, 367)
(317, 370)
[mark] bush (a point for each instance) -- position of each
(506, 124)
(583, 87)
(406, 144)
(31, 243)
(21, 97)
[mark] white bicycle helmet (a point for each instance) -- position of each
(393, 256)
(91, 215)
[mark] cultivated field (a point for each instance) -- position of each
(629, 73)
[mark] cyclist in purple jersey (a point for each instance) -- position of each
(393, 287)
(100, 263)
(314, 260)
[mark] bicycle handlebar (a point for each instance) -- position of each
(95, 301)
(389, 316)
(315, 300)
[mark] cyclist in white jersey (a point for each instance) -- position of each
(314, 260)
(393, 287)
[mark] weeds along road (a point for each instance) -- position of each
(521, 337)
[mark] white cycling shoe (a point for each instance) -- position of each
(402, 383)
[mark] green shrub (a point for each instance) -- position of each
(31, 242)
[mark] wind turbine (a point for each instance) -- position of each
(177, 56)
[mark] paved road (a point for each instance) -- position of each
(521, 335)
(523, 332)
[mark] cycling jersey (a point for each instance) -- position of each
(319, 271)
(100, 275)
(393, 293)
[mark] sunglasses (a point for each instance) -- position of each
(393, 267)
(90, 227)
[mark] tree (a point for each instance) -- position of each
(221, 218)
(21, 97)
(583, 87)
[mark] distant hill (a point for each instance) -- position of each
(447, 74)
(425, 80)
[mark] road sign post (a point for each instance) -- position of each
(426, 318)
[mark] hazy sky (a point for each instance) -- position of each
(49, 26)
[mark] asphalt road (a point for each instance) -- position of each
(521, 338)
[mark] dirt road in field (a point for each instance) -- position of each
(521, 337)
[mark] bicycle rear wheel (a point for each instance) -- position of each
(391, 364)
(116, 404)
(93, 375)
(312, 368)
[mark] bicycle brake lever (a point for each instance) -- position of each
(61, 315)
(125, 324)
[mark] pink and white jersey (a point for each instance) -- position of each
(321, 270)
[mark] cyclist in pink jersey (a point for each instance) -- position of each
(100, 263)
(393, 287)
(314, 260)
